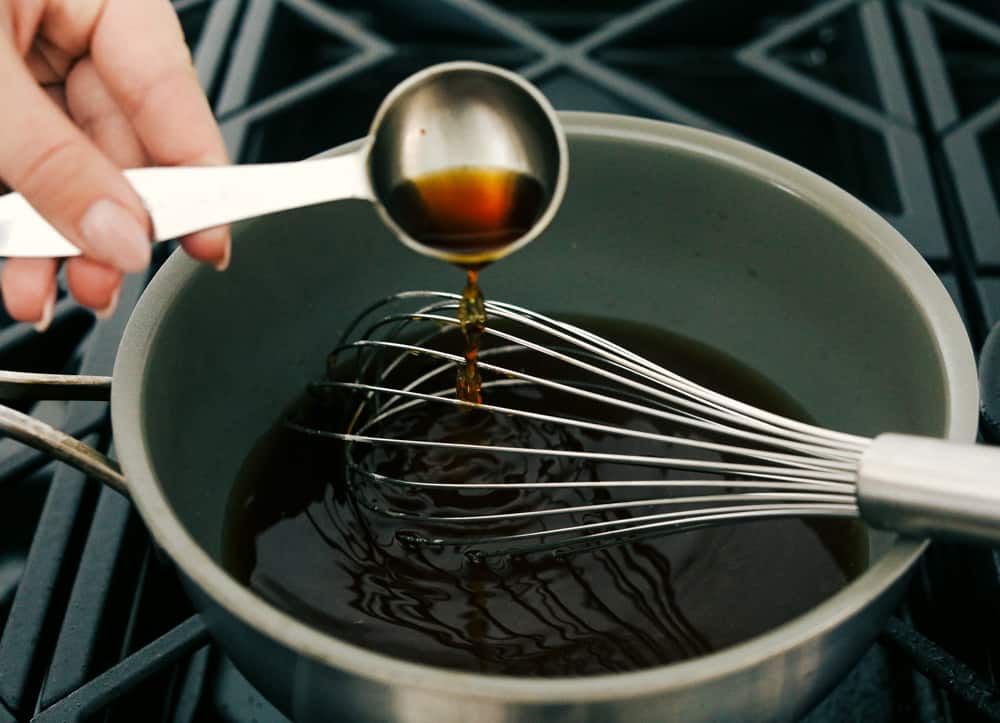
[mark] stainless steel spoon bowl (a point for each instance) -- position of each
(452, 115)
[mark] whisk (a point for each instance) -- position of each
(695, 457)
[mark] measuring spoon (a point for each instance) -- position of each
(460, 115)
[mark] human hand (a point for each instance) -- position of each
(88, 87)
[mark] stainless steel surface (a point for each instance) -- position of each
(181, 200)
(773, 466)
(467, 115)
(450, 115)
(924, 487)
(61, 446)
(29, 385)
(182, 427)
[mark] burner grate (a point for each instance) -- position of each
(896, 100)
(955, 46)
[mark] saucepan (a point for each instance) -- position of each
(669, 226)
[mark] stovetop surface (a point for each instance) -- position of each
(898, 102)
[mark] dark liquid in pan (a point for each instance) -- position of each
(296, 538)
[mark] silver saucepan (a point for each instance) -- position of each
(679, 228)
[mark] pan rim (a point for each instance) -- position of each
(929, 298)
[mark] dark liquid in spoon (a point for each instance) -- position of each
(468, 213)
(298, 538)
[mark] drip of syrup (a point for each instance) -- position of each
(472, 317)
(471, 215)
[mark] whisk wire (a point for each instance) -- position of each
(443, 397)
(782, 468)
(591, 532)
(697, 398)
(689, 419)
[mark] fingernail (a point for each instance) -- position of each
(114, 236)
(47, 311)
(226, 255)
(108, 310)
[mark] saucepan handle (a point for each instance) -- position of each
(927, 487)
(48, 439)
(18, 386)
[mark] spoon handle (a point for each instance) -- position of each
(184, 199)
(927, 487)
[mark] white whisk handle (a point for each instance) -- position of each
(926, 487)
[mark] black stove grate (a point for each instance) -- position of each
(899, 102)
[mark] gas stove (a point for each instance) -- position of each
(898, 102)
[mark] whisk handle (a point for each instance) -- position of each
(924, 487)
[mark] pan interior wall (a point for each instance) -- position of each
(660, 236)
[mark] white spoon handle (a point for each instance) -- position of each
(184, 199)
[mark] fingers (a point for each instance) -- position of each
(155, 83)
(40, 67)
(96, 113)
(90, 104)
(69, 24)
(57, 94)
(29, 289)
(64, 176)
(156, 86)
(94, 284)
